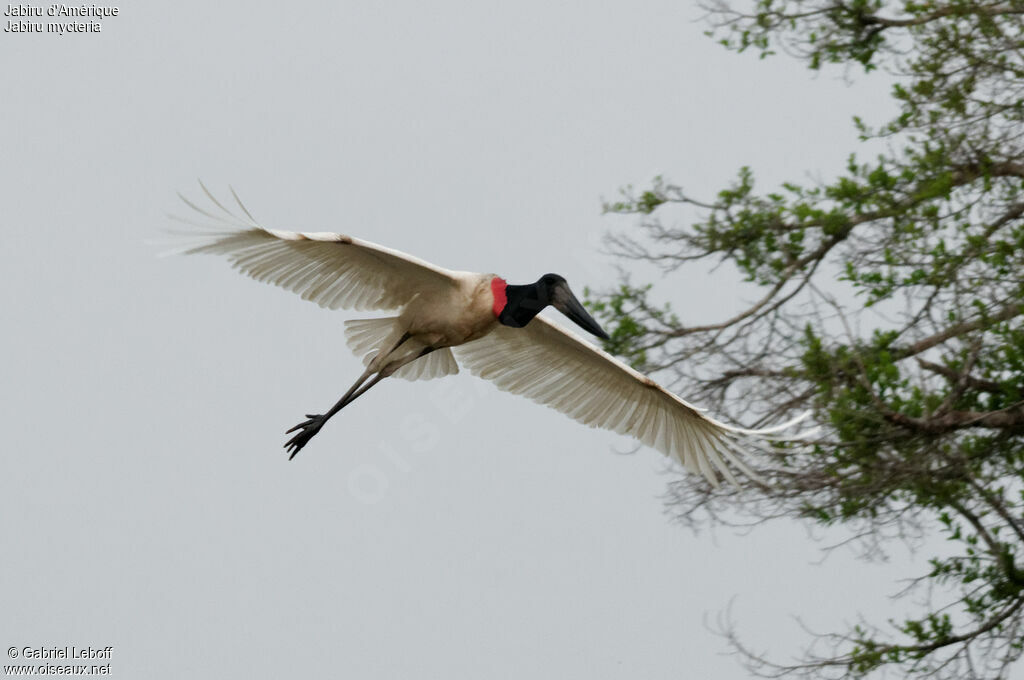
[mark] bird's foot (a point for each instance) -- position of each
(307, 429)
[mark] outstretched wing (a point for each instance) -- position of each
(333, 270)
(553, 366)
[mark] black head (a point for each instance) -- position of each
(525, 302)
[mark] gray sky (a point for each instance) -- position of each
(147, 503)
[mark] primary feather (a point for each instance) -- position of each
(333, 270)
(555, 367)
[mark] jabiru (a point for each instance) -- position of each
(492, 326)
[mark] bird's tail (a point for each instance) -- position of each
(368, 337)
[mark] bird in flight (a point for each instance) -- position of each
(449, 318)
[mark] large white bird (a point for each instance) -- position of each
(491, 325)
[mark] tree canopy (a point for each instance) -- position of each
(889, 301)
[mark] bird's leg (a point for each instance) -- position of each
(315, 421)
(384, 373)
(309, 428)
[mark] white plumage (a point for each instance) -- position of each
(441, 310)
(366, 337)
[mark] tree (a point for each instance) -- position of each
(889, 301)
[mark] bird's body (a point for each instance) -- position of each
(449, 318)
(492, 327)
(436, 319)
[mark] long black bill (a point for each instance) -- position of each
(565, 302)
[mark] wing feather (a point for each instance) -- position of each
(333, 270)
(555, 367)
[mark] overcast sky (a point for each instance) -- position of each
(147, 503)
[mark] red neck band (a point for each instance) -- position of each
(498, 289)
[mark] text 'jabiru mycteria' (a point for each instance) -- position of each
(491, 325)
